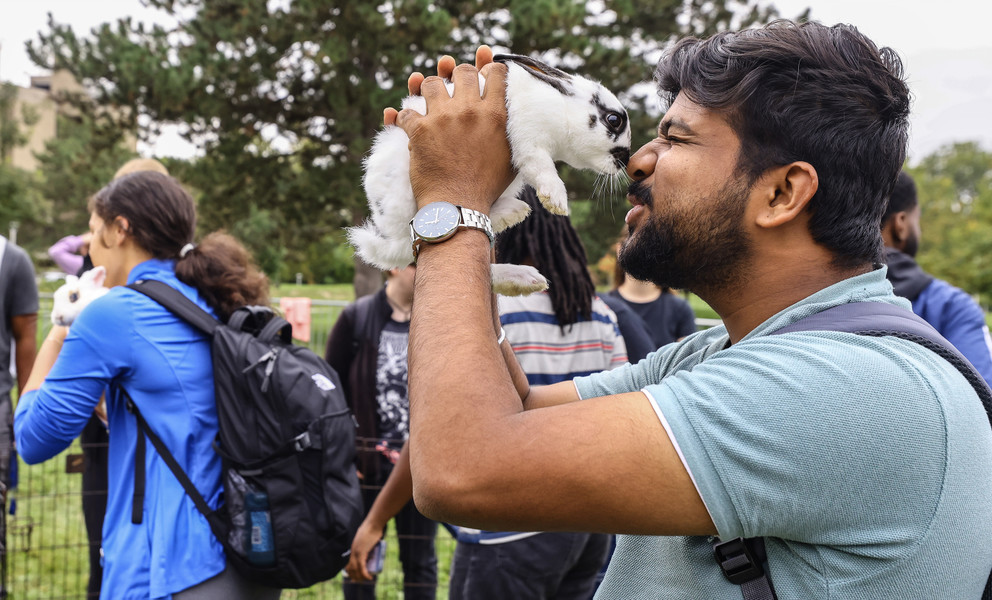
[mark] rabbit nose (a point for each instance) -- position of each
(621, 155)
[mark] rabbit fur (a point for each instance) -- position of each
(551, 116)
(77, 292)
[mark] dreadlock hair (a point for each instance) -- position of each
(552, 246)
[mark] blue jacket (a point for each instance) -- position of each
(126, 339)
(950, 310)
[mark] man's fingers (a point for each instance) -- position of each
(364, 570)
(483, 56)
(414, 82)
(389, 116)
(433, 87)
(495, 75)
(466, 80)
(407, 120)
(445, 65)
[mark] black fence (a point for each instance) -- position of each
(48, 552)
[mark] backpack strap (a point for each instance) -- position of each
(277, 328)
(880, 319)
(216, 525)
(187, 310)
(178, 304)
(741, 559)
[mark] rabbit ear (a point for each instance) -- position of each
(97, 275)
(556, 78)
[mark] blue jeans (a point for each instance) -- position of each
(561, 566)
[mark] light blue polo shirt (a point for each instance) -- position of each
(125, 338)
(865, 462)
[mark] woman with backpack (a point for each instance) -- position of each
(157, 545)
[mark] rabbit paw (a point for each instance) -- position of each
(517, 280)
(507, 212)
(551, 192)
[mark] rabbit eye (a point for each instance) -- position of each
(73, 296)
(615, 121)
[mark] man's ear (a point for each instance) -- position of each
(784, 193)
(895, 230)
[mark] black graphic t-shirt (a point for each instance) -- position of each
(391, 389)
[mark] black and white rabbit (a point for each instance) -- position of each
(551, 116)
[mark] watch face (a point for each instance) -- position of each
(436, 221)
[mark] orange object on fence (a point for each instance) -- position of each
(297, 312)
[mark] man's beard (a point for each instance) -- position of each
(912, 245)
(696, 250)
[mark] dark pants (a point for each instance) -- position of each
(416, 534)
(561, 566)
(94, 440)
(229, 585)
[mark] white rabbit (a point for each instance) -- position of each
(70, 299)
(551, 116)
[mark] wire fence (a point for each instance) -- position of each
(47, 550)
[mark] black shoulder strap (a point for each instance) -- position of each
(741, 559)
(216, 524)
(879, 319)
(179, 305)
(185, 309)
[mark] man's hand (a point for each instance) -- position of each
(458, 151)
(365, 539)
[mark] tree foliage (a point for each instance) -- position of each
(954, 187)
(283, 98)
(18, 195)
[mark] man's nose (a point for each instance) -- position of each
(641, 164)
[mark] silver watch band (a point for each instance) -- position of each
(468, 219)
(477, 220)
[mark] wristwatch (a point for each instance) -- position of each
(439, 221)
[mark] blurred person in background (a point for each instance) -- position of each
(950, 310)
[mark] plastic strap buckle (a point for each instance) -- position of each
(302, 442)
(737, 562)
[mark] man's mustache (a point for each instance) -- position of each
(641, 192)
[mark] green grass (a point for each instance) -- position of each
(48, 554)
(333, 291)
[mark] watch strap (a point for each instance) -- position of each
(468, 218)
(477, 220)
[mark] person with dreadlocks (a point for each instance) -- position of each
(557, 335)
(566, 331)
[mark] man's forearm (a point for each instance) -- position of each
(461, 382)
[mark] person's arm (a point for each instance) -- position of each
(23, 306)
(70, 373)
(340, 350)
(46, 357)
(477, 458)
(25, 330)
(395, 494)
(65, 253)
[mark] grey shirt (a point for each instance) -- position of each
(19, 297)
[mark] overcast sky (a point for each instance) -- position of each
(944, 44)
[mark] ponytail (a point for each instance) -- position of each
(224, 273)
(162, 219)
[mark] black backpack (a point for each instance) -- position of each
(286, 440)
(741, 559)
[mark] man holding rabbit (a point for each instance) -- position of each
(860, 461)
